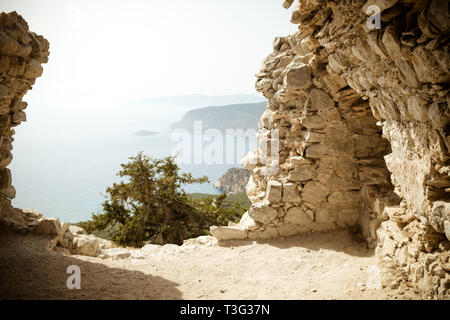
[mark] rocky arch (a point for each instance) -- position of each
(363, 120)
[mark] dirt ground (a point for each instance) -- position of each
(312, 266)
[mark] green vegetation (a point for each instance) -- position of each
(150, 205)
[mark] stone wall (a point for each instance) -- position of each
(362, 117)
(21, 54)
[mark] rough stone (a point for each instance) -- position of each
(87, 245)
(439, 215)
(314, 192)
(262, 213)
(229, 233)
(76, 230)
(299, 78)
(296, 215)
(274, 191)
(302, 173)
(291, 192)
(48, 226)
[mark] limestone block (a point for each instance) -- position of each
(314, 122)
(299, 161)
(66, 240)
(447, 229)
(202, 241)
(302, 173)
(8, 193)
(314, 191)
(344, 197)
(418, 108)
(438, 114)
(116, 253)
(10, 46)
(296, 215)
(267, 233)
(388, 248)
(48, 226)
(106, 244)
(33, 69)
(247, 222)
(417, 271)
(402, 256)
(373, 175)
(62, 250)
(64, 228)
(334, 81)
(76, 230)
(229, 233)
(263, 85)
(427, 67)
(291, 192)
(86, 245)
(273, 191)
(320, 100)
(413, 251)
(337, 63)
(5, 178)
(324, 215)
(287, 4)
(439, 214)
(317, 150)
(311, 137)
(298, 78)
(262, 213)
(392, 43)
(376, 45)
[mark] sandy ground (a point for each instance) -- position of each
(312, 266)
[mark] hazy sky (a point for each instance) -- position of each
(111, 51)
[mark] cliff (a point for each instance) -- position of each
(360, 115)
(233, 181)
(236, 116)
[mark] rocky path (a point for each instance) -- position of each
(313, 266)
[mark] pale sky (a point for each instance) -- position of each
(106, 51)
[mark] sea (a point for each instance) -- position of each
(64, 158)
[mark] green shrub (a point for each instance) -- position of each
(151, 204)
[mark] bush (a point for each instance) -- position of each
(150, 205)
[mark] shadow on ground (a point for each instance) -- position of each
(338, 240)
(33, 273)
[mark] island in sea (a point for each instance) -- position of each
(145, 133)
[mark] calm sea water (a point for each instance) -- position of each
(63, 167)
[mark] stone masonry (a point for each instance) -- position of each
(21, 54)
(362, 115)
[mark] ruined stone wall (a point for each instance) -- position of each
(21, 54)
(363, 123)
